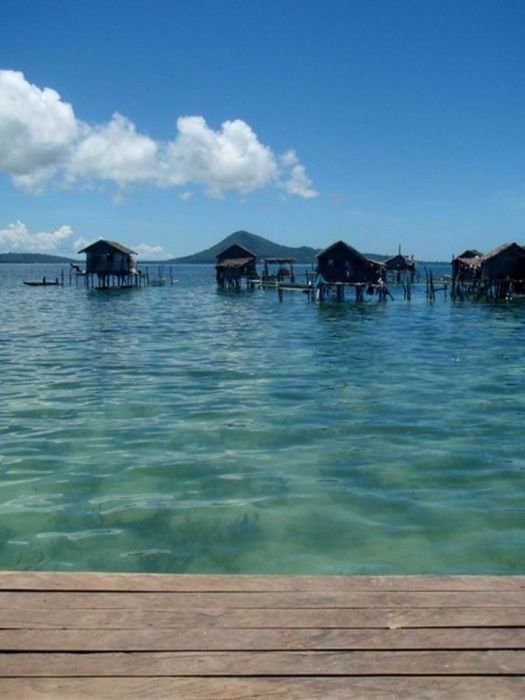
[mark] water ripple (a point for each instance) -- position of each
(184, 429)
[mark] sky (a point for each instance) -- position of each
(167, 125)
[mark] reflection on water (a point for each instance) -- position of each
(180, 429)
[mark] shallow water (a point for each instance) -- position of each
(181, 429)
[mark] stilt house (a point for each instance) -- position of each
(111, 262)
(467, 265)
(340, 263)
(235, 263)
(495, 275)
(505, 262)
(400, 268)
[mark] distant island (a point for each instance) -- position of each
(262, 247)
(33, 258)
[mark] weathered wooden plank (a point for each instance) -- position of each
(370, 638)
(390, 618)
(294, 663)
(83, 581)
(267, 600)
(383, 688)
(213, 639)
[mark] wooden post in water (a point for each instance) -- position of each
(431, 294)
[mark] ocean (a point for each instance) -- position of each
(185, 429)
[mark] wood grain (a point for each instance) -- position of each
(76, 635)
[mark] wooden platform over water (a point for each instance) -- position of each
(74, 635)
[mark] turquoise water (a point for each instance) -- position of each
(180, 429)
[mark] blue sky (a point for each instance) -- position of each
(167, 125)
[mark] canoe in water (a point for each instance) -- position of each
(42, 284)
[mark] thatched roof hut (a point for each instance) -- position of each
(400, 263)
(400, 267)
(234, 252)
(470, 253)
(505, 262)
(467, 264)
(342, 263)
(234, 263)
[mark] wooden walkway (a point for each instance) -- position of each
(74, 635)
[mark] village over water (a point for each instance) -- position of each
(336, 272)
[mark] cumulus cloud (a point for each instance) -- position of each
(297, 183)
(230, 159)
(41, 140)
(37, 131)
(17, 238)
(113, 151)
(81, 243)
(150, 252)
(143, 250)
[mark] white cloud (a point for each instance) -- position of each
(37, 130)
(230, 159)
(82, 242)
(146, 251)
(289, 159)
(114, 151)
(16, 237)
(143, 250)
(41, 140)
(297, 182)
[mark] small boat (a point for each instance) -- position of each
(42, 283)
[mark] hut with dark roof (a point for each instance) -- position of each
(502, 271)
(112, 263)
(495, 275)
(466, 264)
(400, 268)
(469, 254)
(340, 265)
(507, 261)
(234, 264)
(466, 273)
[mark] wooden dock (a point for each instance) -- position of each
(76, 635)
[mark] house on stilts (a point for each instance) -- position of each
(499, 274)
(340, 267)
(110, 265)
(234, 264)
(466, 272)
(400, 269)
